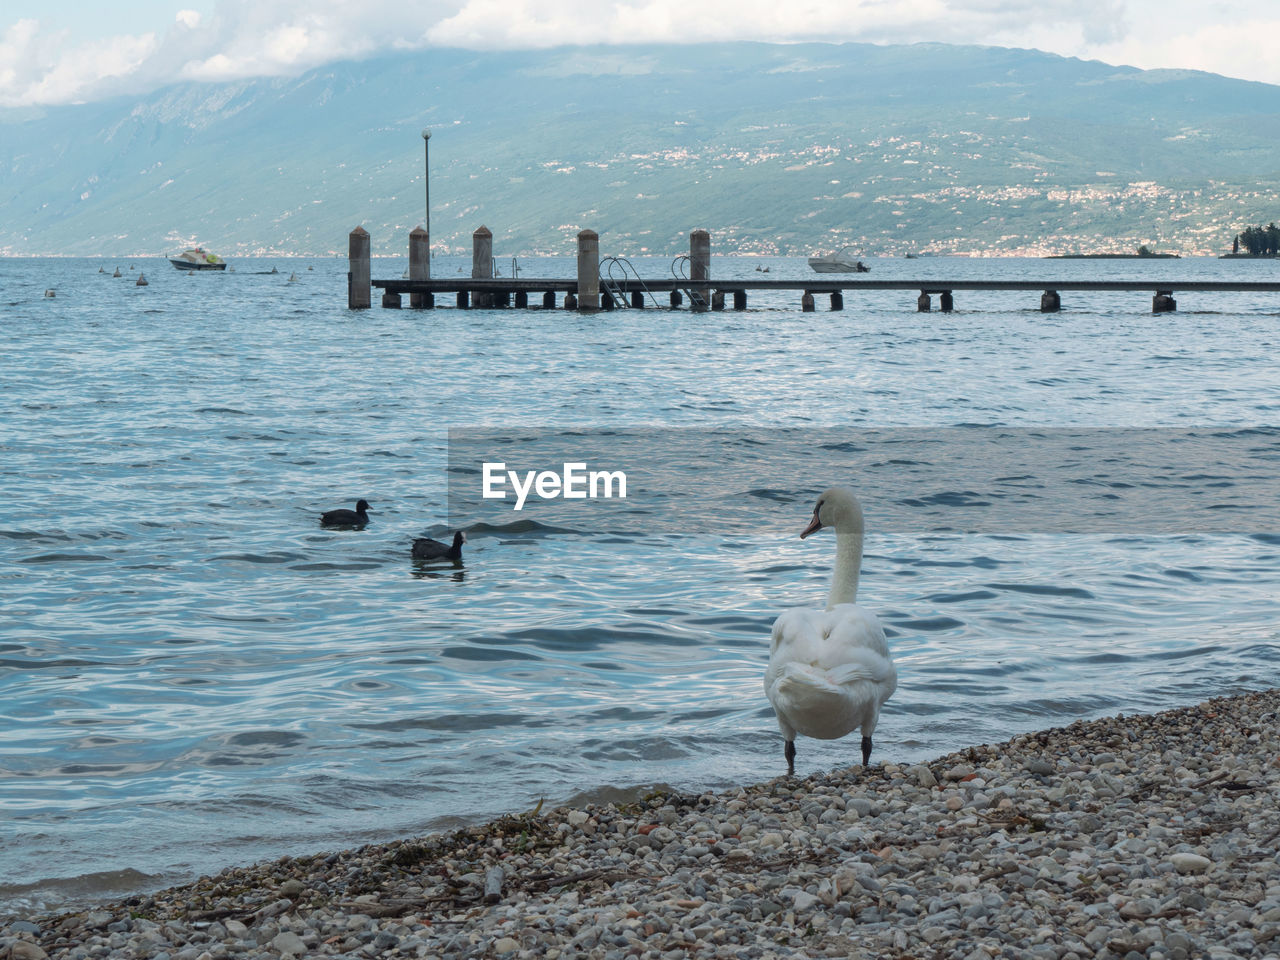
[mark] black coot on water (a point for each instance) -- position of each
(343, 517)
(427, 549)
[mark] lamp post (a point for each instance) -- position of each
(426, 180)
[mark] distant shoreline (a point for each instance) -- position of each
(1114, 256)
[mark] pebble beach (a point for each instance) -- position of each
(1149, 836)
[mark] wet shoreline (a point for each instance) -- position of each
(1153, 834)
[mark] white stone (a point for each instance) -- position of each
(289, 944)
(805, 900)
(923, 775)
(1190, 863)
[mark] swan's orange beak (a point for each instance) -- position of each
(814, 526)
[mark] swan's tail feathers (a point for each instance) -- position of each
(813, 683)
(827, 704)
(802, 691)
(878, 671)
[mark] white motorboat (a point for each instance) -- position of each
(842, 261)
(194, 258)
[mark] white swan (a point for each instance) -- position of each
(829, 670)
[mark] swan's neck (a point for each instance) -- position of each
(844, 582)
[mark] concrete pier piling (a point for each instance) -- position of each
(1163, 302)
(699, 270)
(739, 299)
(588, 271)
(945, 303)
(482, 262)
(1050, 302)
(420, 266)
(806, 302)
(837, 301)
(359, 276)
(923, 303)
(549, 300)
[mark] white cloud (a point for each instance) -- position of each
(41, 62)
(38, 69)
(1246, 49)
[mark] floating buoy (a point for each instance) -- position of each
(231, 269)
(117, 273)
(274, 270)
(310, 268)
(142, 280)
(49, 292)
(101, 270)
(293, 278)
(131, 267)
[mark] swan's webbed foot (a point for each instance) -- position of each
(866, 750)
(789, 751)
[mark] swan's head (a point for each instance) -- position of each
(839, 509)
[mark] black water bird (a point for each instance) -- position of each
(427, 550)
(343, 517)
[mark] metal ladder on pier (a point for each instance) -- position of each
(680, 271)
(614, 272)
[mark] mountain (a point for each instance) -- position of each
(774, 148)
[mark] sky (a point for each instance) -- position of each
(75, 51)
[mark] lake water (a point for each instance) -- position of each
(1068, 516)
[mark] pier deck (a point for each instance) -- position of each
(711, 293)
(667, 284)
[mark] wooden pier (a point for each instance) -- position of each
(593, 291)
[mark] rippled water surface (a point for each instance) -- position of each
(193, 673)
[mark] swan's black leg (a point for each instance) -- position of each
(789, 751)
(866, 750)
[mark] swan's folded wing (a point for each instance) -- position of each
(852, 626)
(798, 627)
(816, 636)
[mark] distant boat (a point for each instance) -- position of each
(194, 258)
(839, 262)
